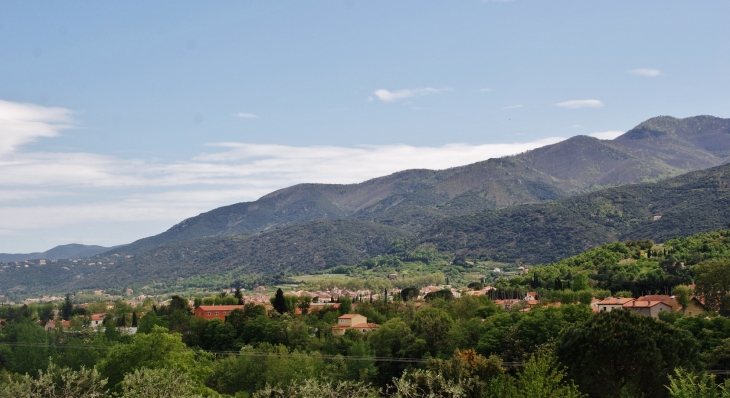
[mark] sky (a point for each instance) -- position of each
(119, 120)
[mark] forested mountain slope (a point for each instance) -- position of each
(540, 233)
(305, 247)
(73, 250)
(658, 148)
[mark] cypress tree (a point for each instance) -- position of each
(134, 319)
(279, 302)
(67, 308)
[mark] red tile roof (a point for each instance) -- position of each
(220, 307)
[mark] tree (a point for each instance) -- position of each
(580, 282)
(618, 353)
(543, 377)
(157, 383)
(686, 384)
(134, 319)
(155, 350)
(345, 305)
(279, 302)
(433, 326)
(303, 303)
(409, 293)
(442, 294)
(712, 280)
(683, 295)
(56, 382)
(475, 286)
(238, 295)
(67, 308)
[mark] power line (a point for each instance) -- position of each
(252, 354)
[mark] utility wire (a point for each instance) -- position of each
(252, 354)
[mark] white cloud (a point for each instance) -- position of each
(576, 126)
(513, 106)
(575, 104)
(246, 115)
(485, 90)
(22, 123)
(91, 197)
(607, 135)
(393, 96)
(646, 72)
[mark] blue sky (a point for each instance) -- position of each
(119, 120)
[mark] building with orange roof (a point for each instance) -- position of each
(50, 325)
(215, 311)
(613, 303)
(647, 308)
(353, 322)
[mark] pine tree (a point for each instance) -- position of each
(134, 319)
(67, 308)
(279, 302)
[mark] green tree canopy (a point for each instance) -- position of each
(617, 353)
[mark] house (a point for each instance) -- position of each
(668, 300)
(215, 311)
(353, 322)
(531, 296)
(613, 303)
(647, 308)
(97, 320)
(507, 304)
(696, 306)
(392, 276)
(50, 325)
(531, 303)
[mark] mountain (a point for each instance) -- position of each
(541, 233)
(73, 250)
(305, 247)
(656, 149)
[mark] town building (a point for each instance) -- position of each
(215, 311)
(353, 322)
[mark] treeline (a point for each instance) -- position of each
(445, 347)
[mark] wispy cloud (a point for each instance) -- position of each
(397, 95)
(513, 106)
(90, 197)
(646, 72)
(21, 123)
(575, 104)
(485, 90)
(607, 135)
(576, 126)
(246, 115)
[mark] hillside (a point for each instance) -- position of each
(73, 250)
(656, 149)
(298, 248)
(540, 233)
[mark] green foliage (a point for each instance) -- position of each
(712, 279)
(56, 382)
(155, 350)
(345, 305)
(279, 302)
(640, 353)
(159, 383)
(315, 388)
(684, 384)
(541, 233)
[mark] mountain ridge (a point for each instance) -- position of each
(413, 199)
(71, 250)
